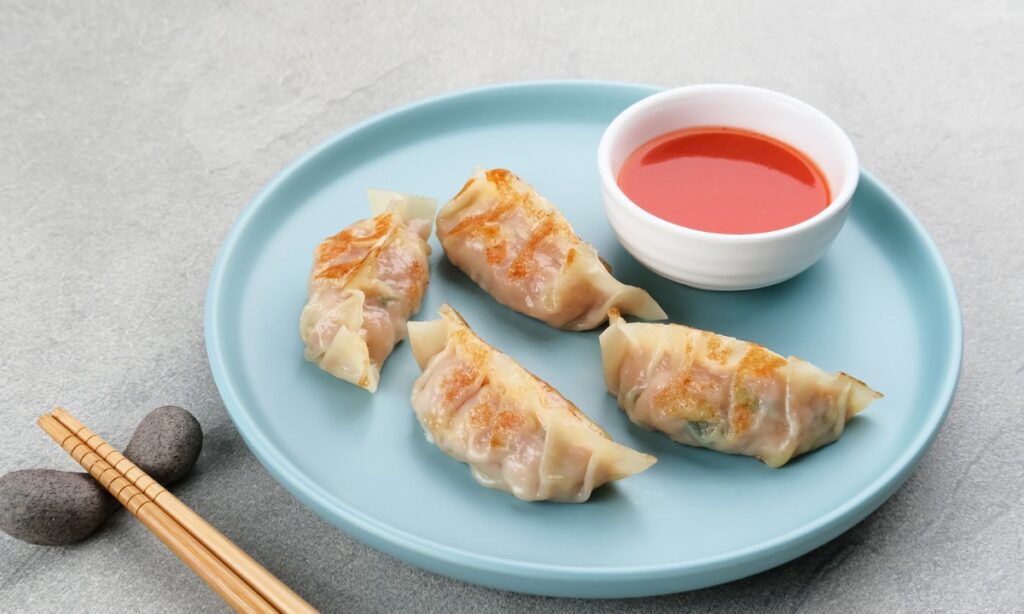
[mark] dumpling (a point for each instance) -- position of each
(517, 246)
(716, 392)
(366, 282)
(517, 433)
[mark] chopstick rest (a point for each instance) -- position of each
(52, 508)
(228, 570)
(55, 508)
(166, 444)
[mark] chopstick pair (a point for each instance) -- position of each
(242, 582)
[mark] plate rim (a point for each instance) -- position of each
(541, 578)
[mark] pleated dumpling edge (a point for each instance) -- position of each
(366, 282)
(517, 246)
(709, 390)
(515, 431)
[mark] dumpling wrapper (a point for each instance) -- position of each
(366, 282)
(712, 391)
(517, 433)
(519, 248)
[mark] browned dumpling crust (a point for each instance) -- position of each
(365, 284)
(516, 432)
(519, 248)
(712, 391)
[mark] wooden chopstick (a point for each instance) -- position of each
(242, 582)
(272, 589)
(212, 570)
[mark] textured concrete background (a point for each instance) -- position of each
(133, 133)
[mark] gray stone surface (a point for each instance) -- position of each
(133, 133)
(166, 444)
(52, 508)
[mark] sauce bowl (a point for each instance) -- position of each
(718, 261)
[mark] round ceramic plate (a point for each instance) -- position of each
(880, 306)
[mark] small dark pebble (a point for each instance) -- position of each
(52, 508)
(166, 444)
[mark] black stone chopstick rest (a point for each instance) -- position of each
(54, 508)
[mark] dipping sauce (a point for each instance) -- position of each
(724, 180)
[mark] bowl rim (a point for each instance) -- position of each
(840, 199)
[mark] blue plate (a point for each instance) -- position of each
(880, 305)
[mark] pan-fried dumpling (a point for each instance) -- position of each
(519, 248)
(713, 391)
(517, 433)
(366, 282)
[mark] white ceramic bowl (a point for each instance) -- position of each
(716, 261)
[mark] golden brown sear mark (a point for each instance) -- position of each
(486, 226)
(477, 225)
(713, 349)
(340, 271)
(689, 396)
(570, 256)
(760, 362)
(421, 278)
(525, 263)
(347, 240)
(739, 419)
(332, 247)
(477, 352)
(455, 382)
(502, 178)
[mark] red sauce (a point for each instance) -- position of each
(724, 180)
